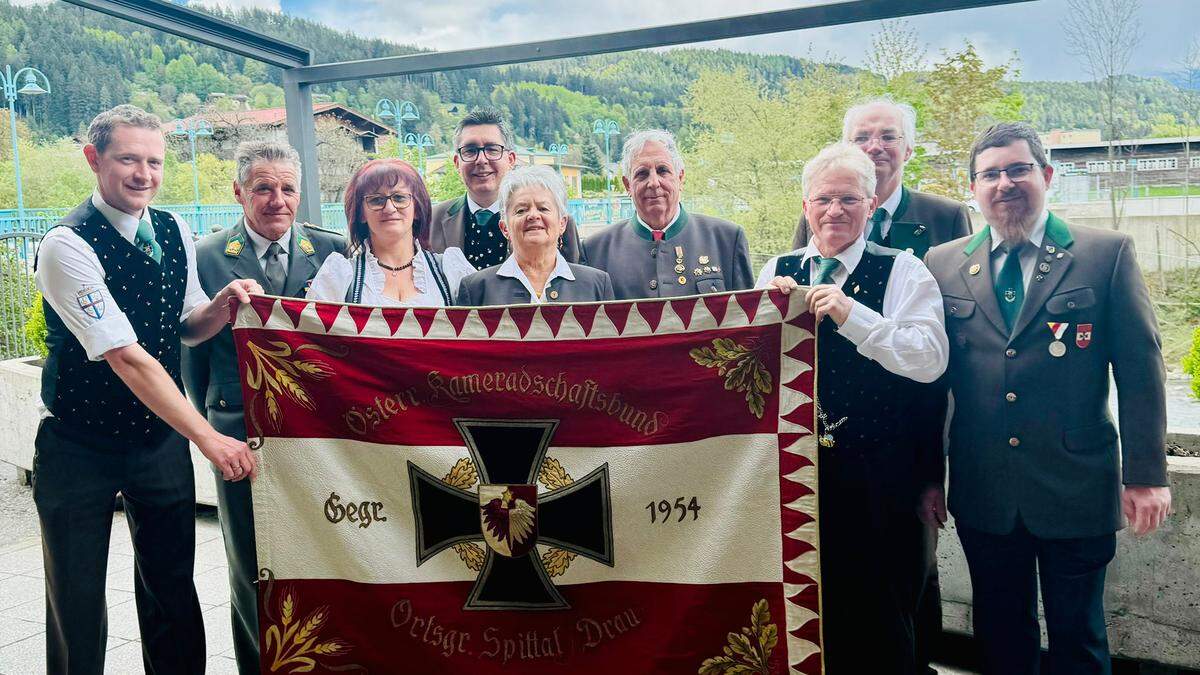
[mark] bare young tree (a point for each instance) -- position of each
(896, 49)
(1102, 34)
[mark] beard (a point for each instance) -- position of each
(1014, 219)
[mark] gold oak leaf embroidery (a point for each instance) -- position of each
(741, 367)
(276, 372)
(748, 651)
(554, 476)
(297, 644)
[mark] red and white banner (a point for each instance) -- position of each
(624, 487)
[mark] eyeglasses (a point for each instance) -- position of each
(1016, 173)
(886, 140)
(398, 200)
(847, 201)
(492, 151)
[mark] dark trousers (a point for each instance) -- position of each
(1005, 571)
(74, 488)
(872, 563)
(928, 620)
(237, 525)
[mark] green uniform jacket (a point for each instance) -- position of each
(1031, 435)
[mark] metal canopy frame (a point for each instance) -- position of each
(300, 75)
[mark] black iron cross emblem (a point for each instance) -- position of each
(510, 516)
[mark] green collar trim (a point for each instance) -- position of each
(1056, 230)
(976, 241)
(458, 205)
(672, 230)
(902, 207)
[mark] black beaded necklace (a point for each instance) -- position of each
(396, 270)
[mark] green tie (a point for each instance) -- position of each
(877, 219)
(1010, 286)
(483, 217)
(144, 239)
(825, 269)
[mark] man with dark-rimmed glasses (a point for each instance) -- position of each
(483, 154)
(1038, 311)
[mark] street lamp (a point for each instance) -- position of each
(31, 88)
(400, 111)
(559, 150)
(193, 127)
(420, 142)
(608, 129)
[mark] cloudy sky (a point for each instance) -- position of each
(1032, 29)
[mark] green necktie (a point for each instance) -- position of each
(144, 239)
(483, 217)
(1010, 286)
(877, 219)
(825, 270)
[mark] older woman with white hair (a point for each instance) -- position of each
(881, 347)
(533, 217)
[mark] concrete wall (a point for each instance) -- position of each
(1159, 227)
(1152, 595)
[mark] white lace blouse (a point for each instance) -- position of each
(337, 273)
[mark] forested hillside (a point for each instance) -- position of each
(95, 61)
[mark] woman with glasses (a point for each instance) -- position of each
(387, 215)
(533, 217)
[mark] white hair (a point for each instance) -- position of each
(250, 153)
(844, 156)
(637, 142)
(907, 114)
(533, 176)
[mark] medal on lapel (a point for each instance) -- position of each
(1057, 347)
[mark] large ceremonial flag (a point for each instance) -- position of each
(626, 487)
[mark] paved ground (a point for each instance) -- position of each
(22, 591)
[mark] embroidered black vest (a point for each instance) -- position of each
(875, 402)
(93, 404)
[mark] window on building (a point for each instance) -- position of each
(1098, 167)
(1158, 164)
(1195, 162)
(1118, 165)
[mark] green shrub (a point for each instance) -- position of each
(1191, 362)
(35, 325)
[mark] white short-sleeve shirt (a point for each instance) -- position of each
(71, 279)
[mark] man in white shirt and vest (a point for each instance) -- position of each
(120, 289)
(881, 342)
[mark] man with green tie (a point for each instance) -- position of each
(1038, 311)
(119, 283)
(268, 245)
(880, 345)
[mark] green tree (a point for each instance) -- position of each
(965, 97)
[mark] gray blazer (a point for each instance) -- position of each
(1031, 435)
(921, 222)
(210, 371)
(698, 254)
(448, 226)
(488, 288)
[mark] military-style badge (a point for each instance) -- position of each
(682, 280)
(1044, 268)
(234, 246)
(1058, 329)
(679, 268)
(974, 269)
(703, 260)
(1051, 249)
(1083, 335)
(508, 516)
(553, 295)
(919, 230)
(305, 244)
(91, 301)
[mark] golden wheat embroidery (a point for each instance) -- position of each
(297, 644)
(742, 368)
(748, 651)
(275, 372)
